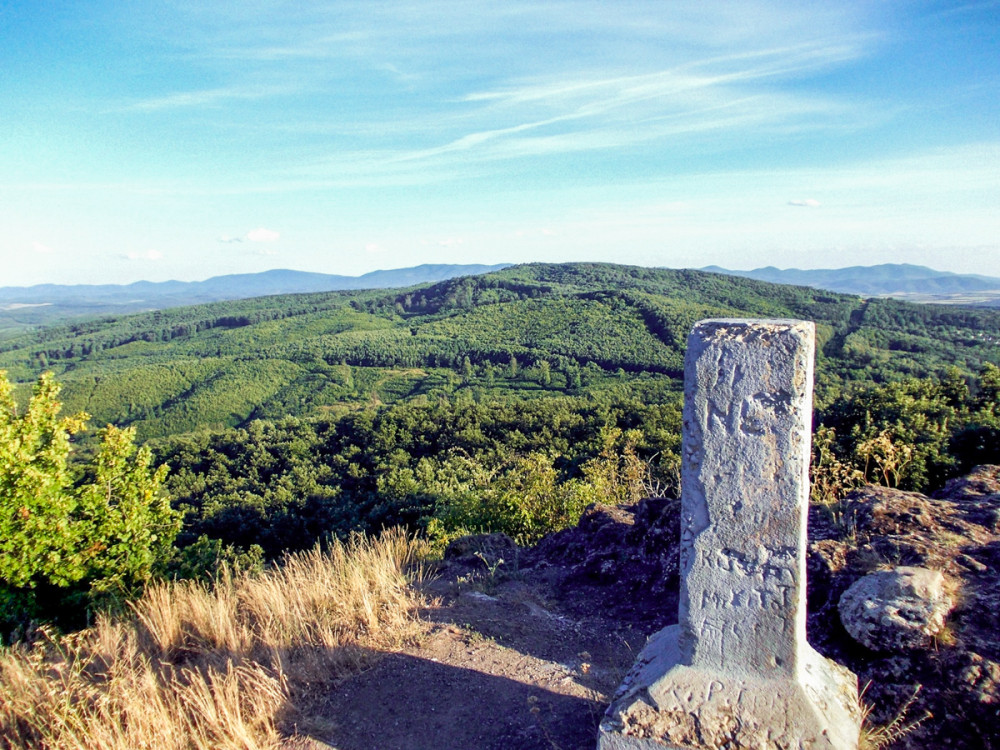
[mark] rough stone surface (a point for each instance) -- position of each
(957, 672)
(896, 609)
(737, 671)
(624, 557)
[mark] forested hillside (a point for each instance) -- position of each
(25, 308)
(529, 330)
(501, 402)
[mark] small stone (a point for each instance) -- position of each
(479, 596)
(993, 519)
(972, 563)
(896, 609)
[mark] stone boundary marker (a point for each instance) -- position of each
(736, 671)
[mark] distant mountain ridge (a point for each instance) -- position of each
(888, 280)
(25, 307)
(239, 286)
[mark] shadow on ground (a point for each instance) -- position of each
(406, 702)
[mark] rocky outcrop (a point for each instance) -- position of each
(890, 610)
(954, 673)
(625, 559)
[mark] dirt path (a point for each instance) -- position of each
(506, 669)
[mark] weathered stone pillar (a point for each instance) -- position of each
(736, 671)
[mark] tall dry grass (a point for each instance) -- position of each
(220, 666)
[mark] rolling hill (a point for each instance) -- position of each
(26, 307)
(527, 331)
(504, 402)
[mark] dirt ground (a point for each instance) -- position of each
(501, 665)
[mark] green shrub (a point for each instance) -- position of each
(102, 534)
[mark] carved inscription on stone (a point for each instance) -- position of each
(746, 443)
(736, 671)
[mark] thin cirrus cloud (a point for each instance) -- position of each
(260, 234)
(727, 80)
(724, 94)
(805, 202)
(206, 98)
(708, 72)
(587, 129)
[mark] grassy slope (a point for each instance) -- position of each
(220, 666)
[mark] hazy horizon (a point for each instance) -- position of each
(709, 267)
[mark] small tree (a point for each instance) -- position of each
(106, 531)
(544, 373)
(129, 525)
(988, 398)
(38, 538)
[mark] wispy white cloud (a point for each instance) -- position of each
(805, 202)
(207, 97)
(599, 126)
(973, 7)
(749, 65)
(40, 248)
(721, 95)
(673, 71)
(258, 235)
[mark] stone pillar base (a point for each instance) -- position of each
(665, 705)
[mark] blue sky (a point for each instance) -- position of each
(190, 138)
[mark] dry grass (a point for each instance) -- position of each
(220, 666)
(877, 737)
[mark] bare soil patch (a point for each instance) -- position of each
(511, 668)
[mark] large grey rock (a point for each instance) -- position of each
(890, 610)
(736, 671)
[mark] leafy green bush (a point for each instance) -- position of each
(914, 433)
(103, 533)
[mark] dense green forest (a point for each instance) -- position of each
(500, 402)
(526, 331)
